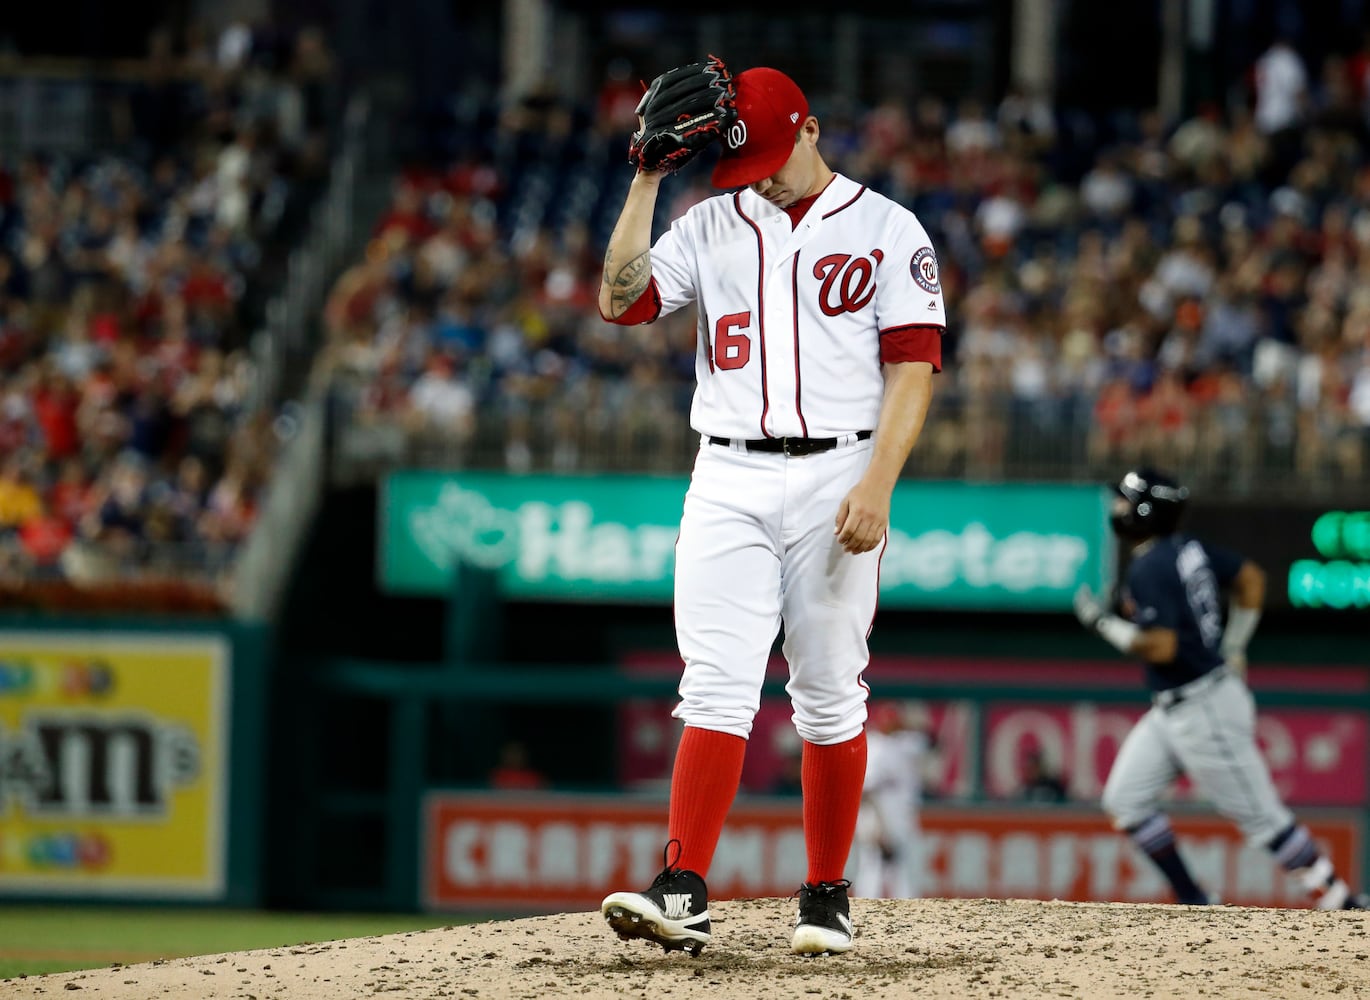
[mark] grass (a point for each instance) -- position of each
(40, 939)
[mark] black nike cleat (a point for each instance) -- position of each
(673, 911)
(824, 925)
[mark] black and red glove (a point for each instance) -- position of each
(684, 110)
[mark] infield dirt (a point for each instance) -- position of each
(905, 948)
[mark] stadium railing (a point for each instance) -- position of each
(999, 438)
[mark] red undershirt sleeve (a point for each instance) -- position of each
(918, 342)
(645, 309)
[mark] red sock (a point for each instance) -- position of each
(708, 768)
(832, 777)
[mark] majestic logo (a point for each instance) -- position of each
(677, 904)
(848, 282)
(923, 267)
(737, 134)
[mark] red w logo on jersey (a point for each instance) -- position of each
(851, 278)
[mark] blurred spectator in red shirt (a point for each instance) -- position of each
(1112, 433)
(616, 104)
(406, 213)
(514, 772)
(55, 404)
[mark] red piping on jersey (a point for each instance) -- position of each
(794, 285)
(879, 561)
(846, 204)
(760, 307)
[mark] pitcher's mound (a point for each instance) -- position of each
(905, 948)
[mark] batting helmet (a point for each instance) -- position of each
(1149, 503)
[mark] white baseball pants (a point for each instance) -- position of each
(757, 548)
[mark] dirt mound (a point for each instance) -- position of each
(922, 948)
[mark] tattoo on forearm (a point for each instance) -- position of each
(628, 282)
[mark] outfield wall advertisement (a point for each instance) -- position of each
(556, 853)
(612, 538)
(1317, 755)
(114, 764)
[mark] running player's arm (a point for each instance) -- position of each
(1158, 618)
(1245, 582)
(1155, 645)
(1159, 643)
(1156, 641)
(1248, 587)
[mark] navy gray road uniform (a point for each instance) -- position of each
(1202, 721)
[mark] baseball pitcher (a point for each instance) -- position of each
(820, 318)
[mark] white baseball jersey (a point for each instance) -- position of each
(889, 815)
(894, 774)
(791, 318)
(794, 322)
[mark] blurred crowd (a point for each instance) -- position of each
(130, 441)
(1119, 287)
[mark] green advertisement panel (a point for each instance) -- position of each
(612, 538)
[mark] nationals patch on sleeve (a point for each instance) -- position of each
(923, 267)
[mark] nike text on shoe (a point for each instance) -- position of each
(824, 924)
(673, 911)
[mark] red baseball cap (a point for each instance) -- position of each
(770, 110)
(884, 716)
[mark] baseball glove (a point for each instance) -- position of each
(684, 110)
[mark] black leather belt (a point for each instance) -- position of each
(786, 445)
(1170, 697)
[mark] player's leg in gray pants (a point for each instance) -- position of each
(1144, 768)
(1214, 736)
(1146, 765)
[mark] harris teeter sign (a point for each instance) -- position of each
(612, 538)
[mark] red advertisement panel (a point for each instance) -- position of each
(648, 735)
(554, 853)
(1317, 756)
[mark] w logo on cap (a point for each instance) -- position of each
(769, 109)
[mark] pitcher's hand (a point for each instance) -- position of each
(862, 518)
